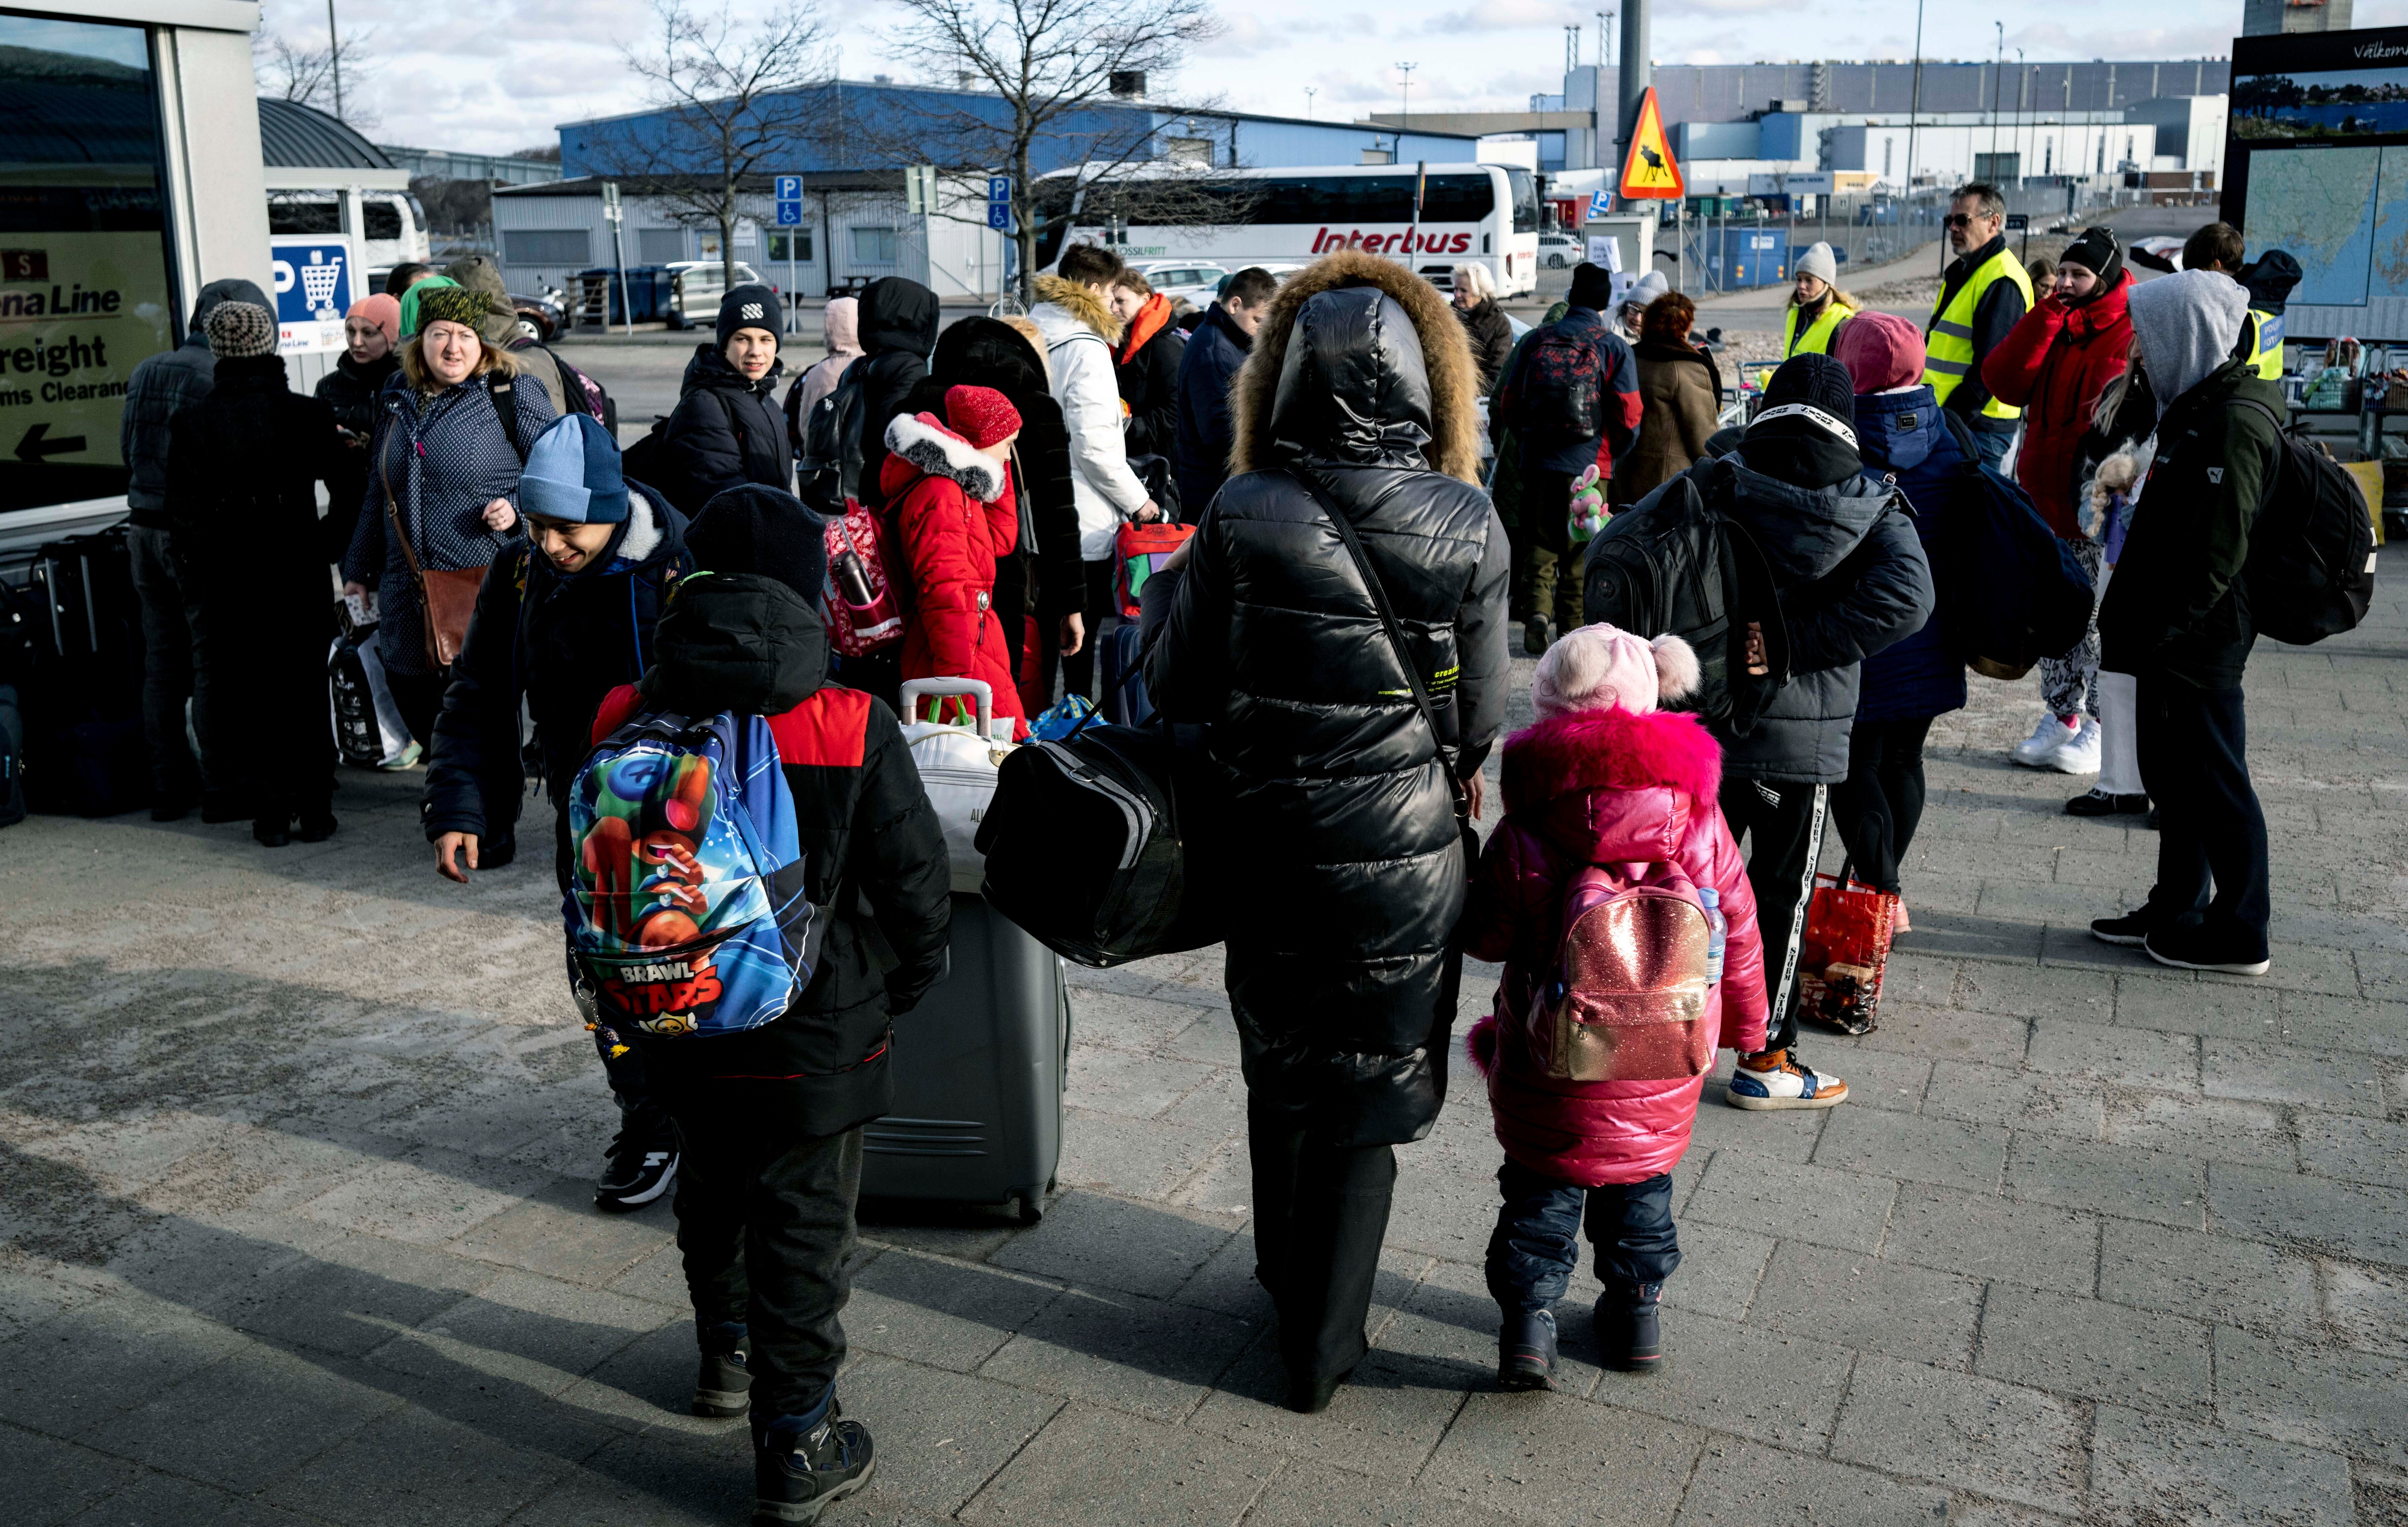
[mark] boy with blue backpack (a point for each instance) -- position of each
(759, 884)
(1601, 892)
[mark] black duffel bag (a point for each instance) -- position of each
(1098, 845)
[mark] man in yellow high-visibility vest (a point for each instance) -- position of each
(1984, 293)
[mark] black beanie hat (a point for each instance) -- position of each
(1592, 287)
(749, 307)
(765, 531)
(2099, 252)
(1815, 380)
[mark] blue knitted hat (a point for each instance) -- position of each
(572, 474)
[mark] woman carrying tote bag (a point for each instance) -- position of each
(452, 428)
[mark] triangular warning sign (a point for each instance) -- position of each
(1650, 172)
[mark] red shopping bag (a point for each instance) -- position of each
(1844, 954)
(1141, 549)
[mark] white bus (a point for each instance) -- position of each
(1470, 214)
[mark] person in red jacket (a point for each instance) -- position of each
(2054, 364)
(1605, 778)
(949, 484)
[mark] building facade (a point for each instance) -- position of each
(131, 174)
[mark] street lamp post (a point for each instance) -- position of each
(1404, 116)
(1310, 92)
(335, 58)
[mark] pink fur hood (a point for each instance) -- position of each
(1620, 784)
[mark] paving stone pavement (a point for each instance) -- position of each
(298, 1147)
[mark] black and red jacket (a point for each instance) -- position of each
(873, 851)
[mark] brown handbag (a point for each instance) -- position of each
(447, 595)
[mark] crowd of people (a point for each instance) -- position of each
(1341, 619)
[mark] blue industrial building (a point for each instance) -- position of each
(875, 125)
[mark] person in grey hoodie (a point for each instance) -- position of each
(174, 629)
(1851, 578)
(2177, 618)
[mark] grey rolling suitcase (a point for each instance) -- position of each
(978, 1073)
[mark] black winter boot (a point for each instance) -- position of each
(724, 1382)
(1630, 1335)
(1525, 1350)
(800, 1471)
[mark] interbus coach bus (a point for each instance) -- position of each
(1482, 213)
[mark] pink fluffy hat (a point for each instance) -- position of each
(1599, 667)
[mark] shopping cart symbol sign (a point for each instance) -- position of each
(313, 281)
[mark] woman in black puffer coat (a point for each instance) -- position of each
(1342, 970)
(1042, 575)
(371, 332)
(728, 429)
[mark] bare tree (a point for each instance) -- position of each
(1054, 65)
(305, 76)
(731, 107)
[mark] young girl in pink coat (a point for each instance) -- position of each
(1603, 778)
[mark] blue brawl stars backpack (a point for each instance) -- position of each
(686, 911)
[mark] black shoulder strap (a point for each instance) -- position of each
(506, 408)
(1314, 490)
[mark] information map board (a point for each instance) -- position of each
(2315, 162)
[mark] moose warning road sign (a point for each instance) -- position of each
(1650, 172)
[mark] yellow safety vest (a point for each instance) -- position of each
(1948, 343)
(1818, 339)
(2266, 343)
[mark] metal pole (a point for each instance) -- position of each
(335, 57)
(1635, 76)
(1914, 101)
(1998, 78)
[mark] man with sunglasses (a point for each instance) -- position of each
(1983, 294)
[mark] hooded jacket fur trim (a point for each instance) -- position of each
(1446, 355)
(1083, 305)
(937, 451)
(1611, 750)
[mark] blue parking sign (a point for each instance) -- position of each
(998, 215)
(790, 214)
(790, 188)
(998, 188)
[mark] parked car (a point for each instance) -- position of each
(1559, 250)
(696, 286)
(1197, 281)
(540, 317)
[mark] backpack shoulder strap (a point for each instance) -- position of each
(506, 408)
(830, 729)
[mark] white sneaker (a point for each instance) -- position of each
(2034, 751)
(1777, 1080)
(2079, 756)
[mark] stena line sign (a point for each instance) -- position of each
(1376, 243)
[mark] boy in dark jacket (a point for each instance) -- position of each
(1530, 397)
(898, 329)
(561, 619)
(1209, 365)
(2177, 618)
(1851, 578)
(728, 429)
(772, 1117)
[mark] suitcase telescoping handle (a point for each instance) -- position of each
(915, 690)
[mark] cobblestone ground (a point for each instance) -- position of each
(298, 1146)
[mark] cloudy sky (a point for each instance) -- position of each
(493, 76)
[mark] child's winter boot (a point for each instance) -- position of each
(1525, 1350)
(803, 1464)
(722, 1385)
(1627, 1329)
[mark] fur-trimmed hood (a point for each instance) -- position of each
(1080, 304)
(1356, 394)
(920, 444)
(1612, 786)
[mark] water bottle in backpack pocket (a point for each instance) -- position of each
(1628, 999)
(686, 911)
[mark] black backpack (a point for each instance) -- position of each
(1562, 393)
(827, 445)
(1675, 564)
(2310, 571)
(2008, 589)
(647, 460)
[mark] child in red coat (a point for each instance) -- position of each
(948, 482)
(1604, 778)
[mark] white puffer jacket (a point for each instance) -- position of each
(1078, 331)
